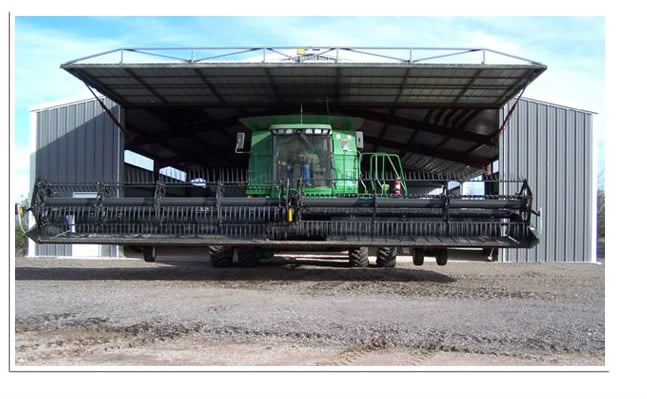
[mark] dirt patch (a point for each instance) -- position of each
(296, 312)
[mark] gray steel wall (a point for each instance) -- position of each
(77, 143)
(552, 146)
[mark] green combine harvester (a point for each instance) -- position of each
(308, 187)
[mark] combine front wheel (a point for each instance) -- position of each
(219, 256)
(358, 257)
(150, 254)
(418, 256)
(386, 256)
(441, 257)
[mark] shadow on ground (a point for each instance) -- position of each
(279, 268)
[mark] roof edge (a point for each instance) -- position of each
(303, 54)
(63, 102)
(543, 102)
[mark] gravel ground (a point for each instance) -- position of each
(307, 311)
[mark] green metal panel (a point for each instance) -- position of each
(345, 162)
(260, 163)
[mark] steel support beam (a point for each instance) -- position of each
(419, 125)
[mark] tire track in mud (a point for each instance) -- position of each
(417, 289)
(352, 354)
(76, 337)
(422, 356)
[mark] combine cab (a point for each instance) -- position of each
(308, 186)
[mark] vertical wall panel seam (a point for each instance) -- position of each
(585, 172)
(526, 253)
(547, 177)
(589, 190)
(568, 169)
(565, 172)
(576, 195)
(575, 203)
(557, 202)
(587, 210)
(537, 183)
(565, 204)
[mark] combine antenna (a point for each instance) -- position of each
(327, 111)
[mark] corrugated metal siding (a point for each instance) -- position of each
(552, 147)
(77, 143)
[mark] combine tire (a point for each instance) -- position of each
(150, 254)
(386, 256)
(246, 257)
(358, 257)
(418, 256)
(441, 257)
(219, 256)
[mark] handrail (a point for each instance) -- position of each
(309, 54)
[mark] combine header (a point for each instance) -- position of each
(309, 186)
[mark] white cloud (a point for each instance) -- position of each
(39, 54)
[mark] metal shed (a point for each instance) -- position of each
(441, 112)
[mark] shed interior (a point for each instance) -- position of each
(183, 112)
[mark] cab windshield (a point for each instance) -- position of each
(303, 157)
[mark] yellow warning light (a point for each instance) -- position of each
(301, 51)
(290, 212)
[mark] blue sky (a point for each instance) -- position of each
(573, 48)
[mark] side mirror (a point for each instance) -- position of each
(359, 140)
(240, 142)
